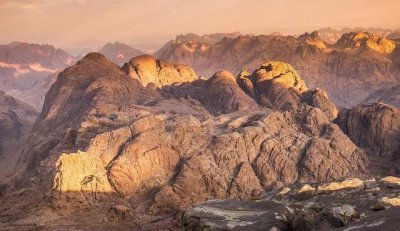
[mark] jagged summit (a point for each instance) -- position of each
(313, 39)
(365, 40)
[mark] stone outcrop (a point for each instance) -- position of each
(374, 127)
(365, 40)
(147, 69)
(105, 140)
(355, 205)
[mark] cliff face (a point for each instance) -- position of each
(349, 70)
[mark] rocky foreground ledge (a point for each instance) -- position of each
(352, 204)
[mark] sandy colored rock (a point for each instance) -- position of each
(346, 184)
(391, 201)
(391, 181)
(147, 69)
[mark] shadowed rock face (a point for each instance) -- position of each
(16, 120)
(349, 70)
(105, 139)
(375, 127)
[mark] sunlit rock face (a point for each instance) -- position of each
(350, 69)
(27, 70)
(147, 69)
(106, 139)
(364, 40)
(187, 142)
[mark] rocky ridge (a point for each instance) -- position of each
(358, 64)
(139, 144)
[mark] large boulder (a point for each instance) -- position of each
(147, 69)
(375, 127)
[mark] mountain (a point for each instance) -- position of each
(331, 36)
(25, 70)
(207, 38)
(358, 64)
(119, 53)
(123, 148)
(16, 121)
(394, 35)
(390, 96)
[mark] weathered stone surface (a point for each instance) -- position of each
(346, 184)
(341, 209)
(237, 215)
(105, 139)
(374, 127)
(147, 69)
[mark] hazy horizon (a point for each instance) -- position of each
(72, 24)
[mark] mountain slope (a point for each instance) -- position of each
(103, 140)
(16, 121)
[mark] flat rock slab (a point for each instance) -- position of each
(386, 220)
(237, 215)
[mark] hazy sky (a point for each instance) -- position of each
(91, 23)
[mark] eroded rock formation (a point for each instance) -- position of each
(161, 140)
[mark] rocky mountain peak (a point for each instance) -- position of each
(147, 69)
(364, 40)
(119, 53)
(313, 39)
(279, 73)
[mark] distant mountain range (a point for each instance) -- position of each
(27, 70)
(351, 71)
(356, 65)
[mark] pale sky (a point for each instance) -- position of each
(92, 23)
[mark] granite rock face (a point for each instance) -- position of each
(374, 127)
(147, 69)
(138, 149)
